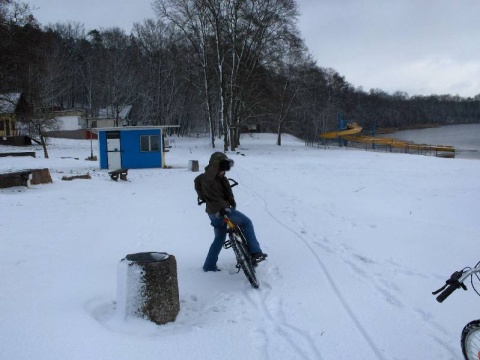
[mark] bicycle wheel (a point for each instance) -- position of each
(243, 261)
(471, 340)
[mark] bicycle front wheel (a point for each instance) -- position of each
(243, 261)
(471, 340)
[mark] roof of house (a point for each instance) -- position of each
(109, 113)
(9, 102)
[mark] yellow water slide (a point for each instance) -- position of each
(351, 133)
(352, 129)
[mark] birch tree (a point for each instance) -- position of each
(232, 38)
(260, 32)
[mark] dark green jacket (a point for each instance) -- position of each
(217, 191)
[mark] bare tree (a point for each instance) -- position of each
(15, 13)
(72, 37)
(231, 38)
(261, 33)
(42, 121)
(189, 16)
(47, 86)
(161, 90)
(120, 72)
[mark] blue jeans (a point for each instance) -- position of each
(220, 230)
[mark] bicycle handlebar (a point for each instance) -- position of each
(456, 281)
(448, 291)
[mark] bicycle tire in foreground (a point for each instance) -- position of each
(471, 340)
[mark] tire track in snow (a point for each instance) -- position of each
(298, 340)
(327, 274)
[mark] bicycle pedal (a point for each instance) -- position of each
(256, 261)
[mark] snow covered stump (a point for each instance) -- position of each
(147, 287)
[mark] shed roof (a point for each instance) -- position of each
(9, 102)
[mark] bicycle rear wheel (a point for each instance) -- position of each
(244, 262)
(470, 340)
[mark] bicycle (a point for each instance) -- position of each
(470, 338)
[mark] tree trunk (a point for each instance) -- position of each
(44, 145)
(279, 134)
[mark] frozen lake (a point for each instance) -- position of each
(465, 138)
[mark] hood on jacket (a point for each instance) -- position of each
(220, 161)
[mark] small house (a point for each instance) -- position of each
(71, 124)
(112, 117)
(132, 147)
(12, 110)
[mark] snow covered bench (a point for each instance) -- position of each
(16, 178)
(120, 172)
(25, 177)
(25, 153)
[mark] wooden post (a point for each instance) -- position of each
(193, 165)
(147, 287)
(41, 176)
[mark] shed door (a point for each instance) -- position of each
(114, 152)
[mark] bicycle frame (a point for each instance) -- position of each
(236, 241)
(230, 224)
(232, 230)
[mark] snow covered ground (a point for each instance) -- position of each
(357, 241)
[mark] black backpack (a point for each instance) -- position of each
(198, 189)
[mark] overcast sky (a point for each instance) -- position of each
(420, 47)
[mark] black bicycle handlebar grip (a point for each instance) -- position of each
(448, 291)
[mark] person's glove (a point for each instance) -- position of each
(223, 212)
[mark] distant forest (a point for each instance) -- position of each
(215, 66)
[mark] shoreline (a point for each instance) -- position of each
(391, 130)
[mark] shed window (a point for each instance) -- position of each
(150, 142)
(113, 134)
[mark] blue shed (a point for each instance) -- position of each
(131, 147)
